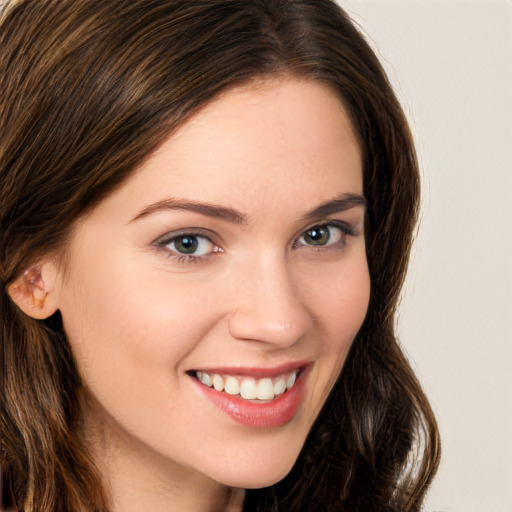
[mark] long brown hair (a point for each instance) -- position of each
(89, 89)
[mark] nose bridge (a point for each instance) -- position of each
(267, 307)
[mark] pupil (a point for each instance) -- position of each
(317, 236)
(186, 244)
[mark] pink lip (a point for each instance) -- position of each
(276, 413)
(256, 372)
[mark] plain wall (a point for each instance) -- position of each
(451, 64)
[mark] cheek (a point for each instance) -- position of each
(343, 302)
(127, 326)
(342, 307)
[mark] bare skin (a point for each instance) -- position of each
(272, 273)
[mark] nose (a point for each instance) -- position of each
(267, 306)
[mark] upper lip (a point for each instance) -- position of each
(254, 371)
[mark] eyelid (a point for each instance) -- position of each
(345, 227)
(163, 241)
(172, 235)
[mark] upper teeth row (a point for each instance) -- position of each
(249, 387)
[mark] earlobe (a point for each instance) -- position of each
(34, 291)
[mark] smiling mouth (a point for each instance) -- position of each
(261, 390)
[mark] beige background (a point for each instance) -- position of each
(451, 63)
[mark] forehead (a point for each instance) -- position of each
(273, 140)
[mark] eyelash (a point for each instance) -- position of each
(345, 231)
(169, 238)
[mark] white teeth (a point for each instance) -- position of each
(218, 382)
(279, 387)
(232, 386)
(206, 379)
(265, 389)
(249, 388)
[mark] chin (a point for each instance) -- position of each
(263, 474)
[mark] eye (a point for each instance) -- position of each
(191, 244)
(188, 246)
(323, 235)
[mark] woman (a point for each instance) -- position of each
(207, 209)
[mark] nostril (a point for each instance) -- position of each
(266, 305)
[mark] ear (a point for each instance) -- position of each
(35, 291)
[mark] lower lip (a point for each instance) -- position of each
(272, 414)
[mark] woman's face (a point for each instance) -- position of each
(234, 257)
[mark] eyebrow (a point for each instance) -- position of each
(338, 204)
(210, 210)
